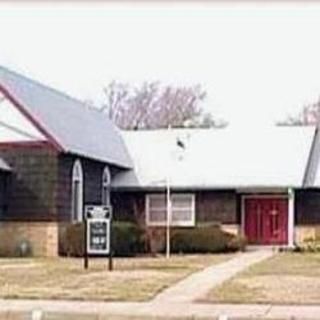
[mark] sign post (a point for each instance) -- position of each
(98, 232)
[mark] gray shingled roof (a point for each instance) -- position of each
(77, 128)
(4, 166)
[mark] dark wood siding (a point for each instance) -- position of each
(3, 193)
(217, 206)
(65, 164)
(33, 183)
(92, 175)
(40, 183)
(211, 206)
(307, 207)
(93, 171)
(128, 206)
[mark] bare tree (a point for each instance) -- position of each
(309, 115)
(153, 105)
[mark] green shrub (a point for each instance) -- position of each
(205, 239)
(237, 243)
(72, 240)
(126, 239)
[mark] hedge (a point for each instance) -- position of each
(205, 239)
(129, 239)
(126, 239)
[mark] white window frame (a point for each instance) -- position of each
(77, 177)
(106, 186)
(190, 223)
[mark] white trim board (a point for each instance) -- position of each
(15, 126)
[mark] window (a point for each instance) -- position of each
(106, 182)
(182, 209)
(77, 192)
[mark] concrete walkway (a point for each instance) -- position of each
(200, 283)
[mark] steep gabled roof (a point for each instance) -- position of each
(273, 157)
(312, 177)
(4, 166)
(66, 121)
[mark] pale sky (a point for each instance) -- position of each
(258, 62)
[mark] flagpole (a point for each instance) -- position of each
(168, 220)
(168, 196)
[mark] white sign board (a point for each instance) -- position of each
(98, 229)
(98, 212)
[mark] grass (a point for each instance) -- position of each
(287, 278)
(133, 279)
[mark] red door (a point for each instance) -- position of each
(266, 220)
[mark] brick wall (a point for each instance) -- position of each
(43, 237)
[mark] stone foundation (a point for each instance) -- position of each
(303, 233)
(43, 237)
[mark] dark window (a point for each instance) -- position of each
(106, 183)
(77, 192)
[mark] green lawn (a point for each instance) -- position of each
(133, 279)
(287, 278)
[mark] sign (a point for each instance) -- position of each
(98, 233)
(98, 219)
(98, 212)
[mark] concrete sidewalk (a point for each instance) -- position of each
(200, 283)
(101, 310)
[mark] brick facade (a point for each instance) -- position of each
(43, 237)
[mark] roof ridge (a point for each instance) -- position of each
(45, 105)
